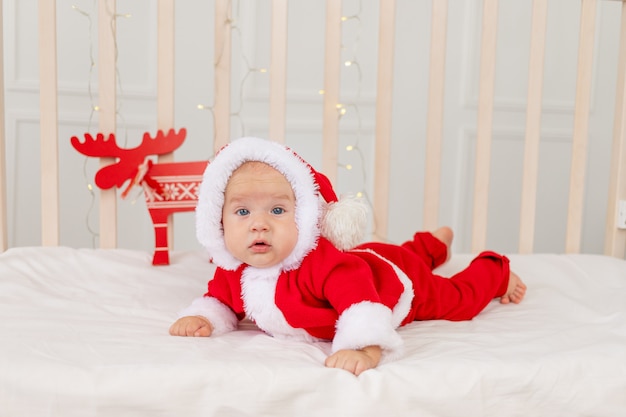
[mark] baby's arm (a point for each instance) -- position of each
(191, 326)
(355, 361)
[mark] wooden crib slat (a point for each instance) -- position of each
(332, 72)
(434, 120)
(484, 124)
(4, 237)
(165, 71)
(384, 111)
(278, 71)
(581, 127)
(165, 82)
(107, 93)
(615, 239)
(533, 125)
(48, 124)
(221, 107)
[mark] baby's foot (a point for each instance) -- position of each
(445, 235)
(515, 291)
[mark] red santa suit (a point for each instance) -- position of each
(328, 288)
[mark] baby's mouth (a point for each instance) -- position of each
(260, 246)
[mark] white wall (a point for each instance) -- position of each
(136, 44)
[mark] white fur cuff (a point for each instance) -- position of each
(221, 317)
(366, 324)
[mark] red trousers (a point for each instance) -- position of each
(459, 297)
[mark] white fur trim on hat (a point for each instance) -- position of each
(342, 223)
(211, 197)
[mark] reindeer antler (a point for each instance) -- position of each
(162, 144)
(99, 146)
(128, 159)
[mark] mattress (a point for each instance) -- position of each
(84, 332)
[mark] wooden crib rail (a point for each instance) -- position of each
(107, 113)
(4, 238)
(615, 239)
(48, 124)
(581, 126)
(435, 119)
(384, 111)
(533, 125)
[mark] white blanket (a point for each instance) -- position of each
(85, 333)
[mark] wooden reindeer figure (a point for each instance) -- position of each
(168, 187)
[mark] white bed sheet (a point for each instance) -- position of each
(83, 332)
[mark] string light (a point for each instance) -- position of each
(341, 110)
(352, 108)
(95, 107)
(231, 23)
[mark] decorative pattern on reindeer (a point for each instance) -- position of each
(168, 187)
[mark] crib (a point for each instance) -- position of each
(84, 321)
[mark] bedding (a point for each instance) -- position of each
(84, 332)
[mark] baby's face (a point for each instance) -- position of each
(259, 215)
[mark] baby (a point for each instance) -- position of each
(288, 261)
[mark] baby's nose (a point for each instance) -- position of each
(259, 223)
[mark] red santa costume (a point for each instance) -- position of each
(330, 288)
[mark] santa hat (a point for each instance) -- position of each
(340, 221)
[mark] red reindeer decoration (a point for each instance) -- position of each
(169, 187)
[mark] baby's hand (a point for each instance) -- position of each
(355, 361)
(191, 326)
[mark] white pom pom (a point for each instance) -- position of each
(344, 222)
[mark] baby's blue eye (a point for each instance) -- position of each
(278, 210)
(243, 212)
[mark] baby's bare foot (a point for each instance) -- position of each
(445, 235)
(515, 291)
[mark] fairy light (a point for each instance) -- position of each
(351, 108)
(231, 22)
(118, 77)
(250, 69)
(94, 107)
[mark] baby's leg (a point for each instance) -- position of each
(426, 248)
(466, 293)
(445, 235)
(515, 290)
(433, 248)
